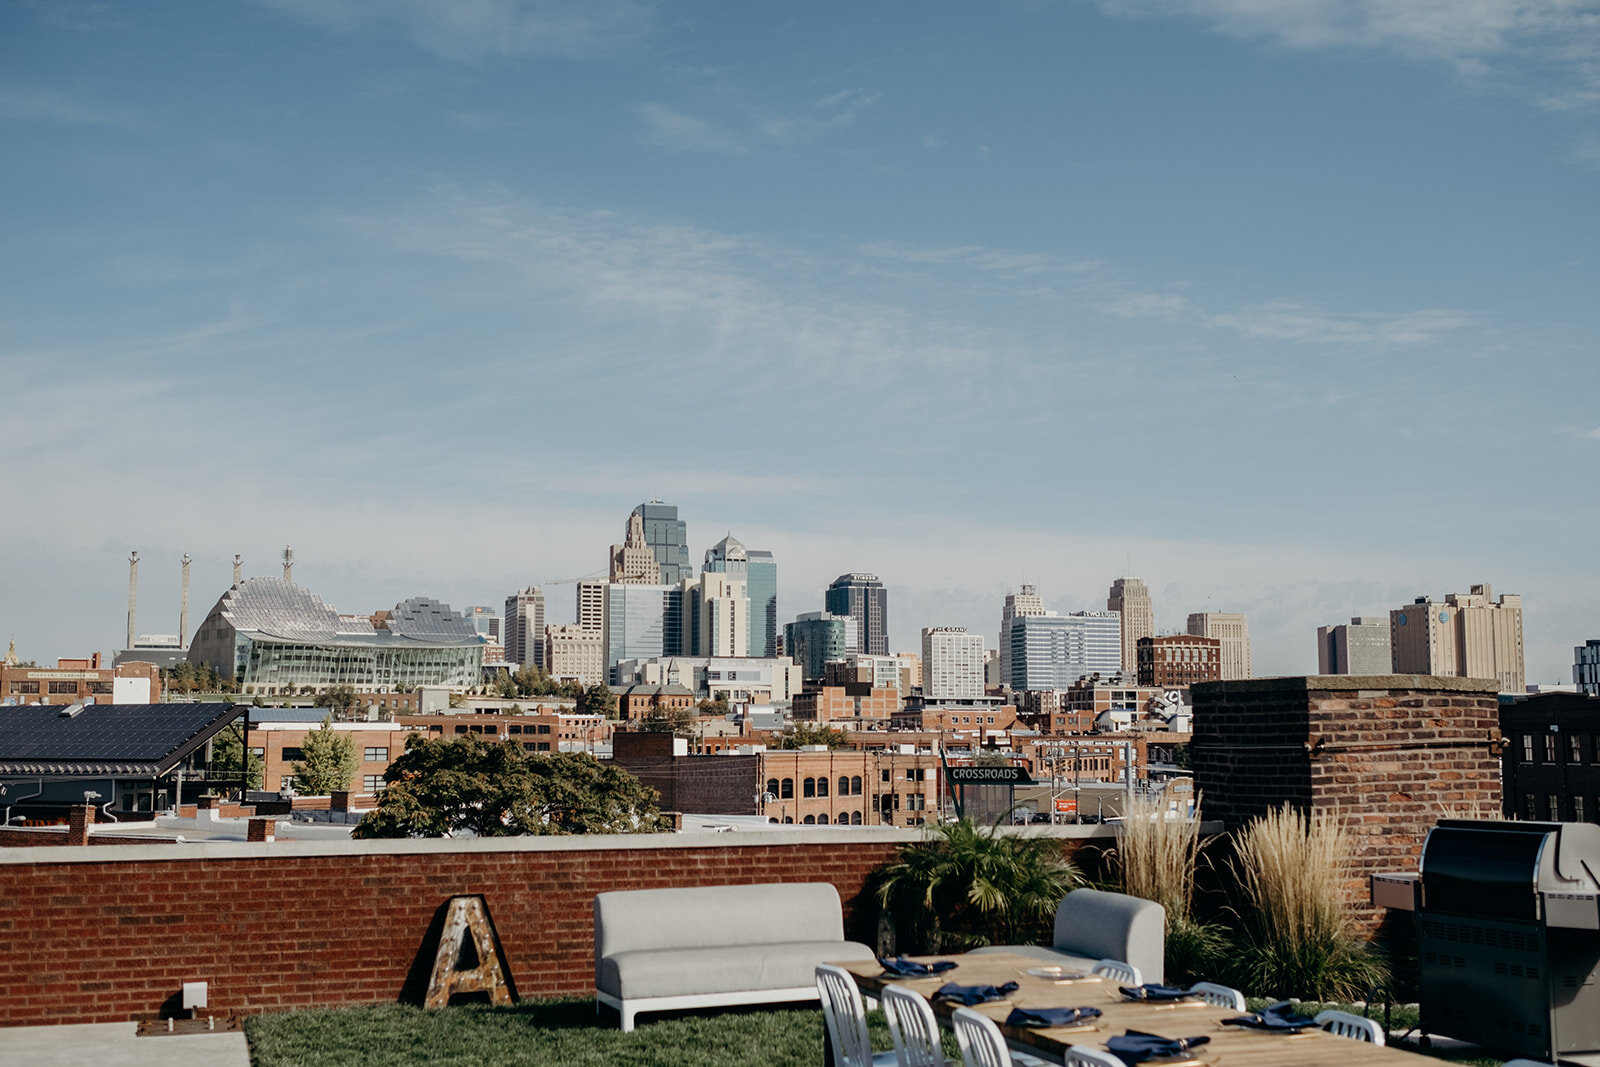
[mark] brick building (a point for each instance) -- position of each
(1551, 763)
(644, 701)
(1391, 754)
(541, 731)
(851, 700)
(1179, 660)
(80, 681)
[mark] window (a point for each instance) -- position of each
(530, 746)
(1577, 809)
(844, 785)
(377, 755)
(1528, 810)
(810, 820)
(822, 820)
(544, 728)
(917, 774)
(1575, 748)
(809, 787)
(787, 791)
(293, 755)
(1552, 805)
(916, 802)
(544, 746)
(64, 687)
(822, 787)
(461, 729)
(1550, 748)
(772, 786)
(103, 688)
(372, 783)
(24, 687)
(885, 774)
(855, 785)
(514, 728)
(855, 818)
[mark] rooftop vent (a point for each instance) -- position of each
(71, 710)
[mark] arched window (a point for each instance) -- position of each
(788, 818)
(810, 820)
(787, 792)
(773, 819)
(844, 785)
(855, 818)
(809, 787)
(772, 786)
(855, 785)
(822, 820)
(822, 786)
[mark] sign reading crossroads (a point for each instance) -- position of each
(990, 776)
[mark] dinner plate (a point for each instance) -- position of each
(1060, 974)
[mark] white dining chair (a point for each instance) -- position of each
(1084, 1056)
(1220, 995)
(1117, 971)
(1526, 1063)
(846, 1020)
(914, 1028)
(982, 1044)
(1343, 1024)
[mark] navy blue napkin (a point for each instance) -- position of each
(1279, 1016)
(1136, 1046)
(1050, 1016)
(973, 994)
(1152, 991)
(912, 969)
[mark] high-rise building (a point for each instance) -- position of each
(524, 627)
(1179, 660)
(572, 653)
(1131, 597)
(1053, 651)
(1359, 647)
(1586, 667)
(817, 637)
(592, 605)
(633, 562)
(952, 663)
(1470, 635)
(716, 614)
(863, 598)
(668, 538)
(485, 620)
(642, 621)
(760, 573)
(1027, 602)
(1231, 629)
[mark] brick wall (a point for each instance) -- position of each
(1392, 753)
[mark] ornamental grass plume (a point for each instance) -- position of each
(1156, 857)
(1298, 940)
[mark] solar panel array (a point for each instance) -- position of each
(119, 733)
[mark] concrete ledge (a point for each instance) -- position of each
(1343, 683)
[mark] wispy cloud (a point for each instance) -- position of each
(48, 105)
(667, 127)
(1548, 50)
(736, 130)
(478, 29)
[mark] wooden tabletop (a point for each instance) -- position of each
(1230, 1046)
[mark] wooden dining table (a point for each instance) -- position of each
(1229, 1046)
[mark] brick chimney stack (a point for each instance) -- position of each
(79, 819)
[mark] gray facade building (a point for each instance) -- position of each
(760, 572)
(523, 626)
(817, 637)
(1359, 647)
(863, 598)
(668, 537)
(1053, 651)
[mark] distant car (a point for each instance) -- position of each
(1088, 818)
(1040, 816)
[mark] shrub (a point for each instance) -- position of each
(964, 886)
(1156, 859)
(1296, 935)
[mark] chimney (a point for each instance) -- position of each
(79, 818)
(183, 606)
(261, 829)
(133, 594)
(238, 564)
(288, 564)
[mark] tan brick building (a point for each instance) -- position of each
(1179, 661)
(81, 681)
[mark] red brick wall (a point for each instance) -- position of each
(101, 941)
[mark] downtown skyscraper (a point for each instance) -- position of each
(863, 598)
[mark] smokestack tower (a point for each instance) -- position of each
(133, 594)
(238, 564)
(288, 564)
(183, 606)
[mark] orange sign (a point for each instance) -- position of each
(1066, 804)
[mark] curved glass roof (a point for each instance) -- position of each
(281, 609)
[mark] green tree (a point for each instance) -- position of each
(964, 886)
(330, 761)
(225, 749)
(463, 786)
(802, 734)
(716, 706)
(504, 685)
(680, 722)
(341, 698)
(532, 681)
(597, 699)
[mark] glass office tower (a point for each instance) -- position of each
(863, 598)
(642, 621)
(760, 572)
(668, 537)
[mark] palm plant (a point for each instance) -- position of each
(964, 886)
(1156, 858)
(1298, 940)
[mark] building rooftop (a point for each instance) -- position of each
(133, 740)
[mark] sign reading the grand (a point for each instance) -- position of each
(990, 776)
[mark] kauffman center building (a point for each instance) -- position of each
(273, 637)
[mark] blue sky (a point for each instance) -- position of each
(1287, 307)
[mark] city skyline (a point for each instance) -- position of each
(808, 274)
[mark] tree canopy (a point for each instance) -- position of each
(463, 786)
(802, 734)
(330, 761)
(225, 751)
(341, 698)
(598, 699)
(680, 722)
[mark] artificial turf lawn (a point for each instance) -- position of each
(541, 1032)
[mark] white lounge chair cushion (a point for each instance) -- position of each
(672, 972)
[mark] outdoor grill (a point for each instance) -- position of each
(1508, 934)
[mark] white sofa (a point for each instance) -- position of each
(668, 949)
(1094, 925)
